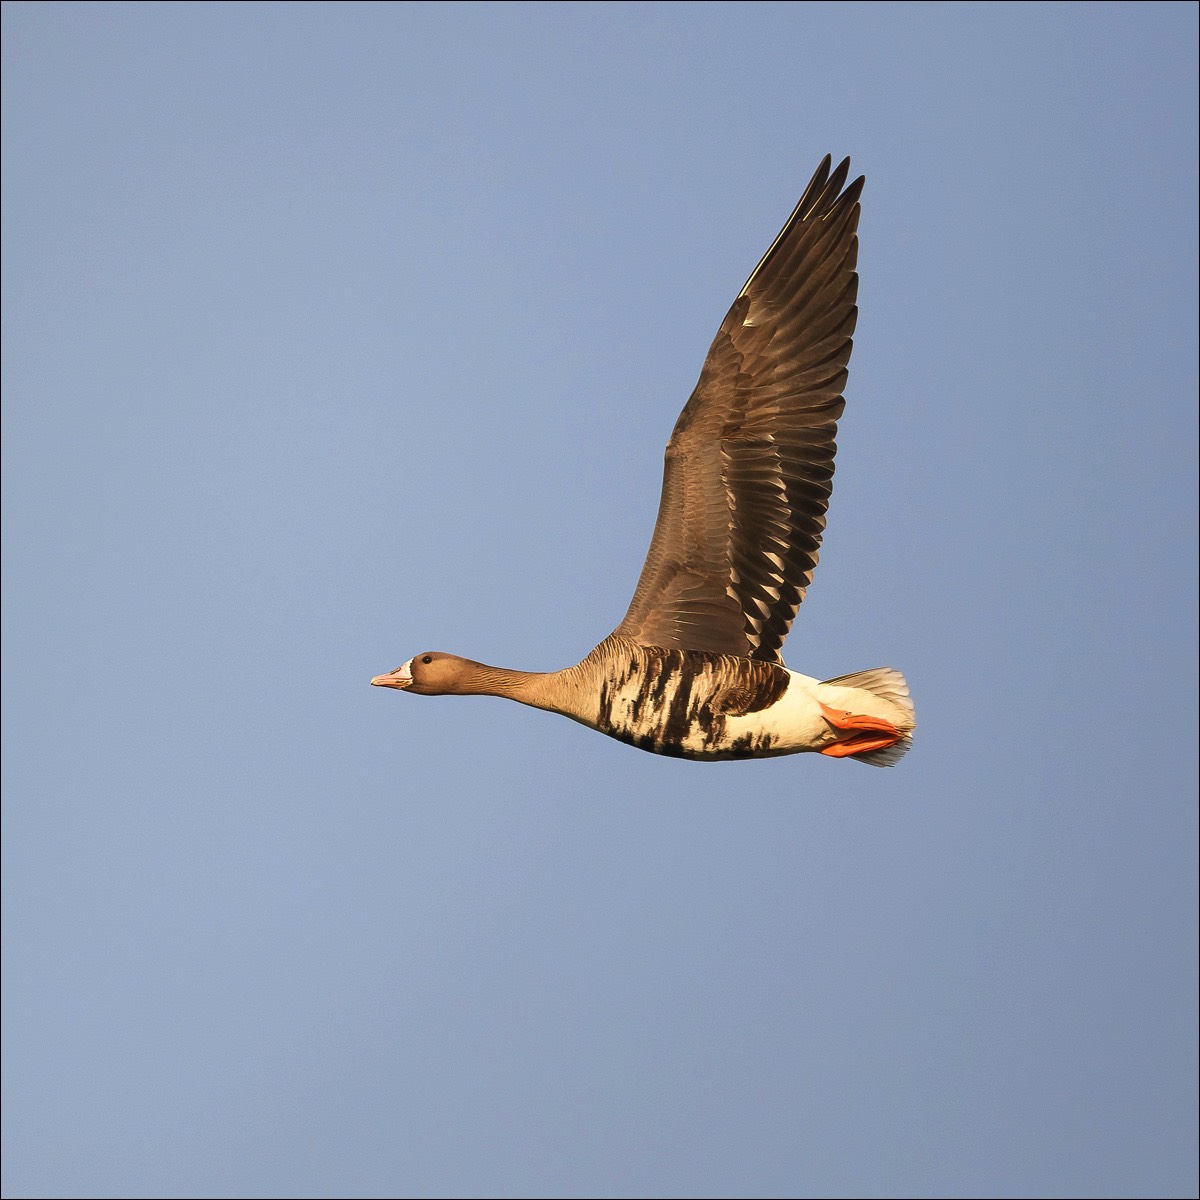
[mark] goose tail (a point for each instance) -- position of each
(890, 686)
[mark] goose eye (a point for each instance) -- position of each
(427, 658)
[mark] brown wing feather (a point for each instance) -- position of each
(749, 466)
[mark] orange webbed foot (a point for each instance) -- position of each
(863, 733)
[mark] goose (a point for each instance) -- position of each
(694, 669)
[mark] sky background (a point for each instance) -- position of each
(336, 333)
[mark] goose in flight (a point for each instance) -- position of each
(694, 668)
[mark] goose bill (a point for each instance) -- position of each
(400, 678)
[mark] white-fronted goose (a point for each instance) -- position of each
(694, 669)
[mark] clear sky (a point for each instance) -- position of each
(335, 333)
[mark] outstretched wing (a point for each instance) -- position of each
(749, 466)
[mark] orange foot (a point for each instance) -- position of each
(863, 733)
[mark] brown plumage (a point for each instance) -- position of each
(750, 462)
(694, 669)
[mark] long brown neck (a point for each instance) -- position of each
(480, 679)
(557, 691)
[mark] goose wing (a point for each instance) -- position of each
(749, 465)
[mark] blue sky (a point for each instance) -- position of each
(337, 333)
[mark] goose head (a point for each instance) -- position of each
(437, 674)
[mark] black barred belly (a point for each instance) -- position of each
(680, 703)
